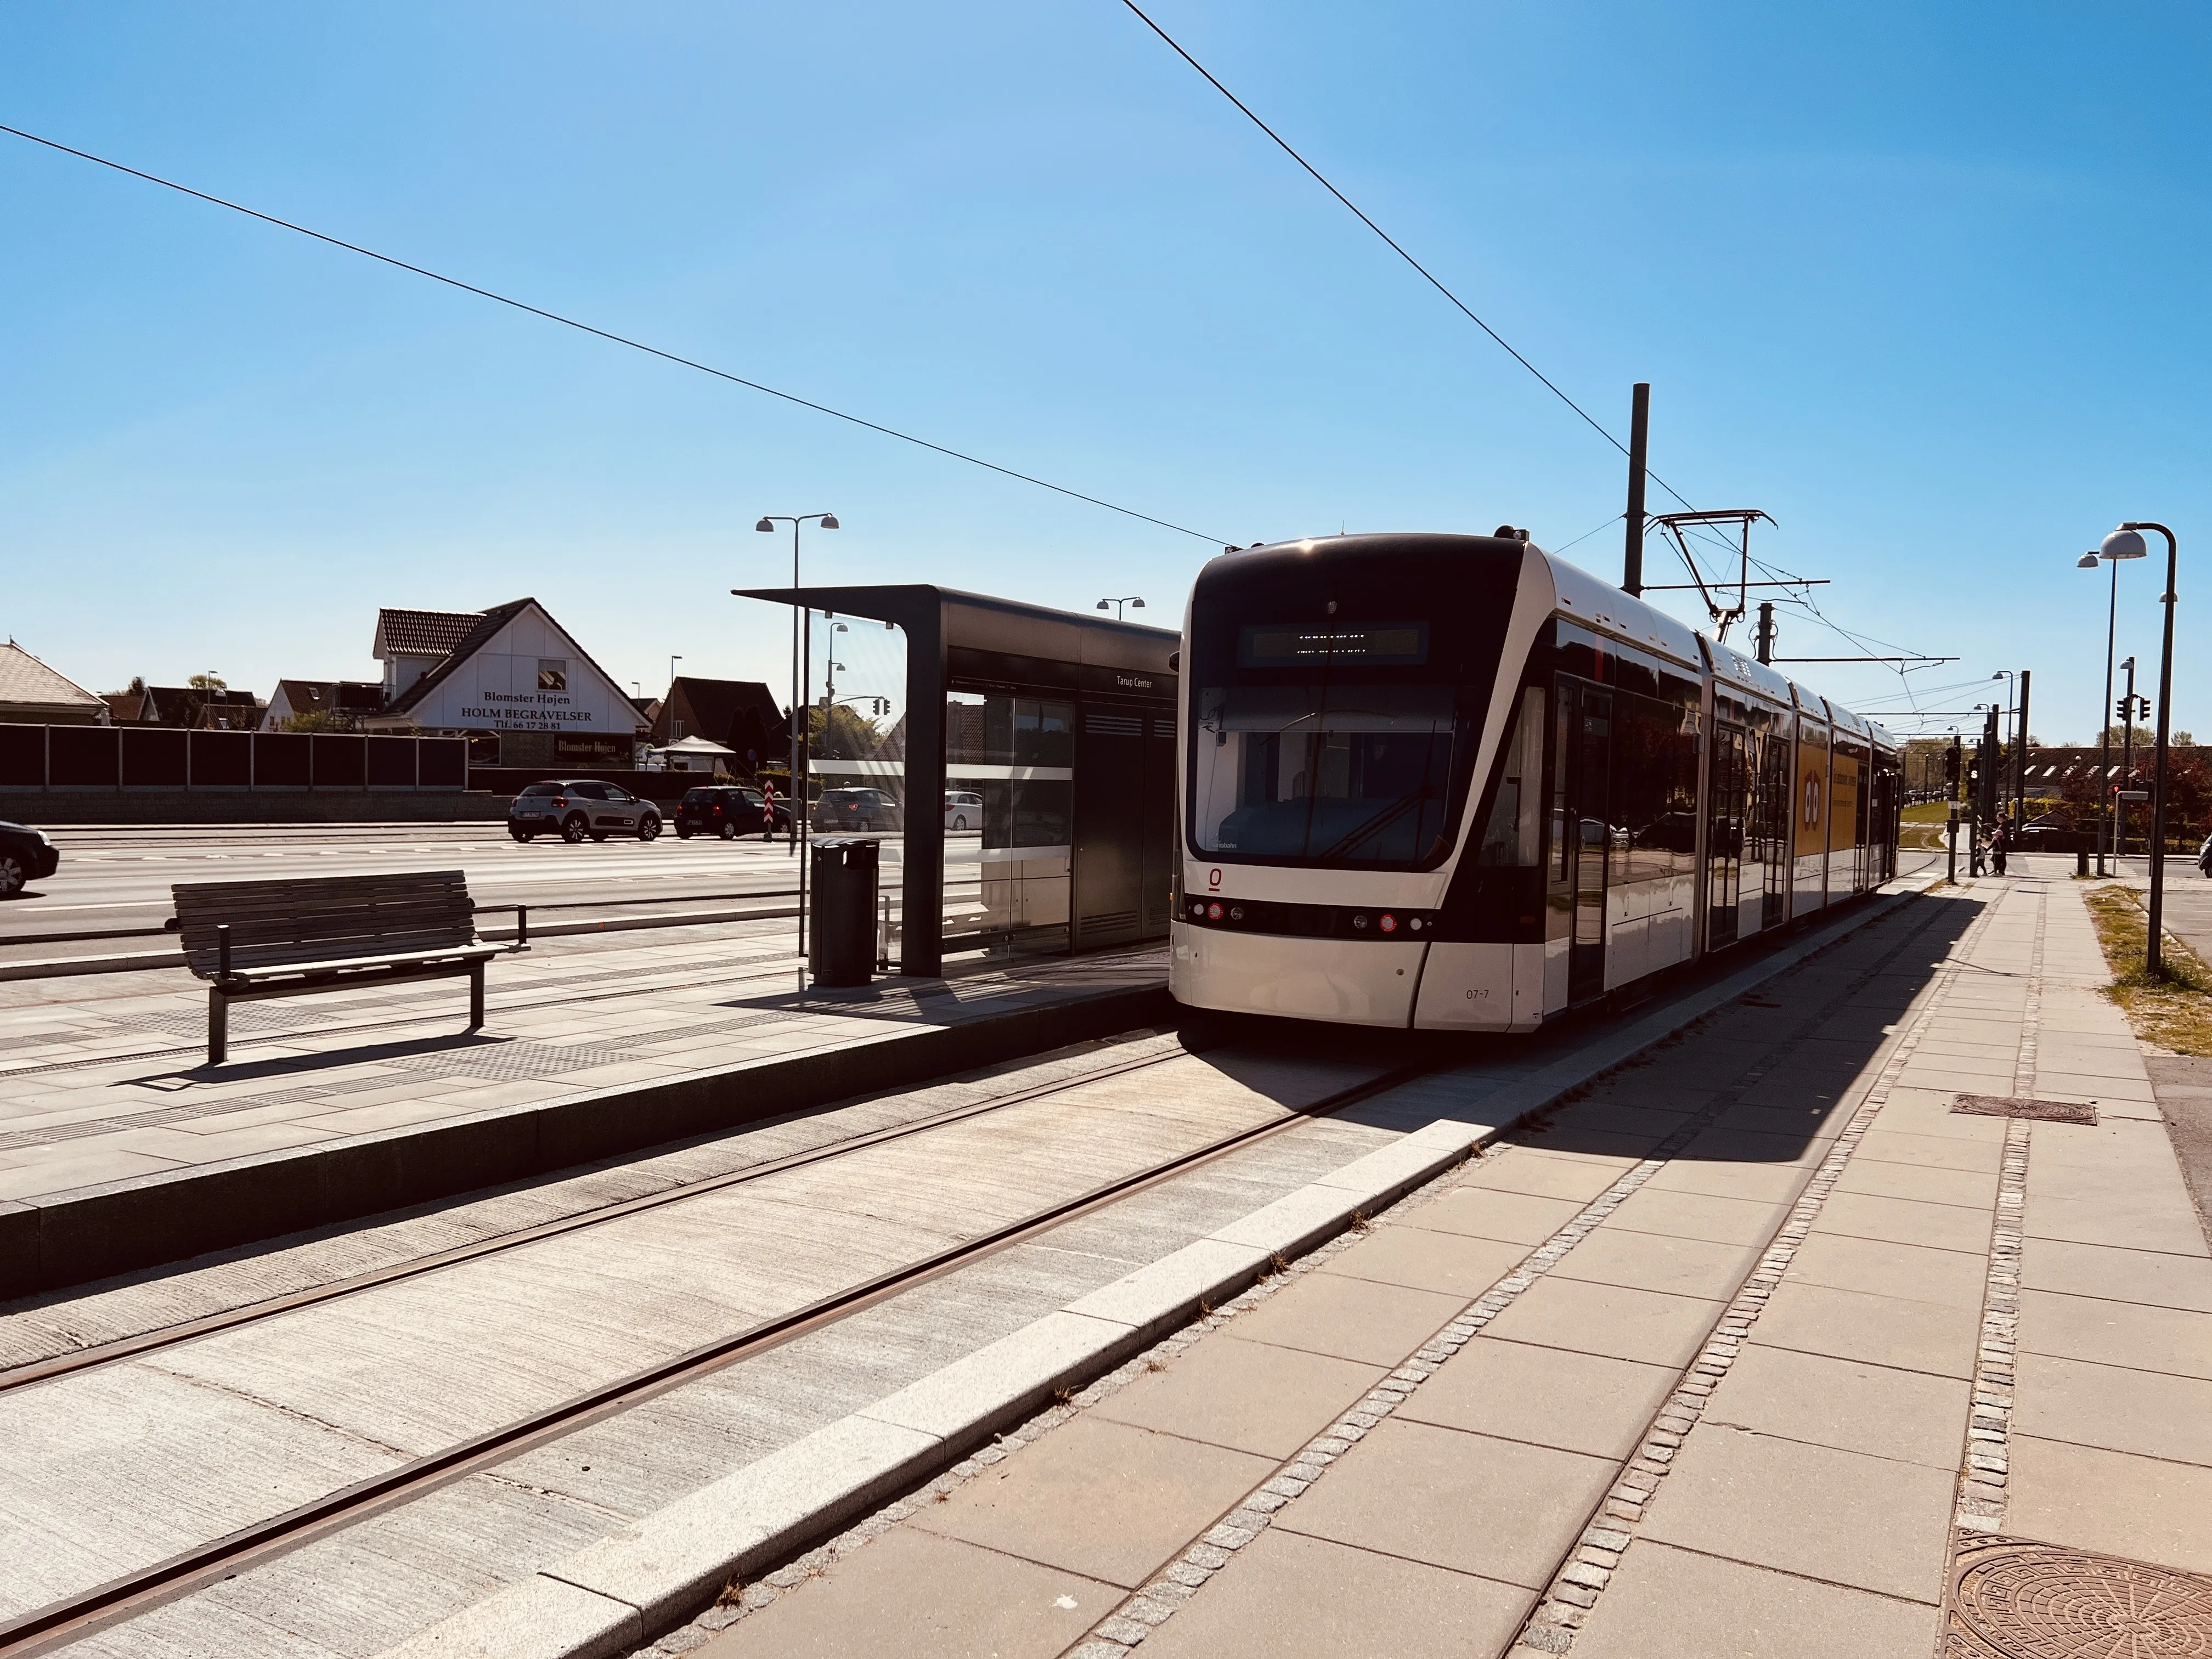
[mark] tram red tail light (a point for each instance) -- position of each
(1389, 923)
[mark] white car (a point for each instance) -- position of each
(963, 809)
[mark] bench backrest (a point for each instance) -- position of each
(324, 918)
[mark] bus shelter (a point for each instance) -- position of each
(1032, 765)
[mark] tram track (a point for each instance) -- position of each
(154, 1341)
(73, 1616)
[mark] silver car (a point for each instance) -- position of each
(579, 807)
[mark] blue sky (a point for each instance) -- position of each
(1923, 283)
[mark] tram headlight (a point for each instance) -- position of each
(1236, 912)
(1359, 922)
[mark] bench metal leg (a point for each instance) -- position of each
(476, 995)
(218, 1026)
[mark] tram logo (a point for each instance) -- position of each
(1812, 801)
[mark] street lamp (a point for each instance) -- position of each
(2127, 543)
(2089, 561)
(801, 641)
(1132, 600)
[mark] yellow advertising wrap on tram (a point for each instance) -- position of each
(1843, 799)
(1810, 803)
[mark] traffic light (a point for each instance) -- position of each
(1950, 765)
(2120, 708)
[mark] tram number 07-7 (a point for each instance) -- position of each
(1480, 995)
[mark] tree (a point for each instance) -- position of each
(207, 682)
(843, 734)
(315, 719)
(2188, 793)
(2146, 735)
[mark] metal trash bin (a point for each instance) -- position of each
(841, 949)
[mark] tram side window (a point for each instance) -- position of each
(1514, 835)
(1655, 785)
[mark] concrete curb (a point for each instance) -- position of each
(616, 1592)
(72, 1237)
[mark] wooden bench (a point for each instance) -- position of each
(256, 940)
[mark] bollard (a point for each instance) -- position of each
(521, 926)
(2081, 861)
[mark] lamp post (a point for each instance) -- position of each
(2127, 542)
(2000, 797)
(2089, 561)
(1131, 600)
(801, 641)
(2127, 713)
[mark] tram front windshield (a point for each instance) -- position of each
(1334, 772)
(1336, 695)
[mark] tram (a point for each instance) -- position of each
(1453, 782)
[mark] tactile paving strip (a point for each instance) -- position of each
(2012, 1598)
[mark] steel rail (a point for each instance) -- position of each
(73, 1616)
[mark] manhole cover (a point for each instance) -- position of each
(2015, 1600)
(2046, 1111)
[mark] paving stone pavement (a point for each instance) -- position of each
(1730, 1359)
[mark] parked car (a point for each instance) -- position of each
(25, 855)
(576, 807)
(728, 810)
(856, 809)
(963, 809)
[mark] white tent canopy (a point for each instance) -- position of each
(697, 755)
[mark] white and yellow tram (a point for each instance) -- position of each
(1454, 782)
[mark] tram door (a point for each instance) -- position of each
(1770, 822)
(1581, 827)
(1725, 808)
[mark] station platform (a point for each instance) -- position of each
(121, 1149)
(1766, 1347)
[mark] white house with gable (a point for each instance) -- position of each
(511, 670)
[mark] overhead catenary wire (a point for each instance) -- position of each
(1395, 246)
(1467, 311)
(605, 334)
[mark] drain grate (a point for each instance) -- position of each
(2042, 1111)
(2012, 1599)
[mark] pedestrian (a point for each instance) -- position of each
(1975, 848)
(1997, 850)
